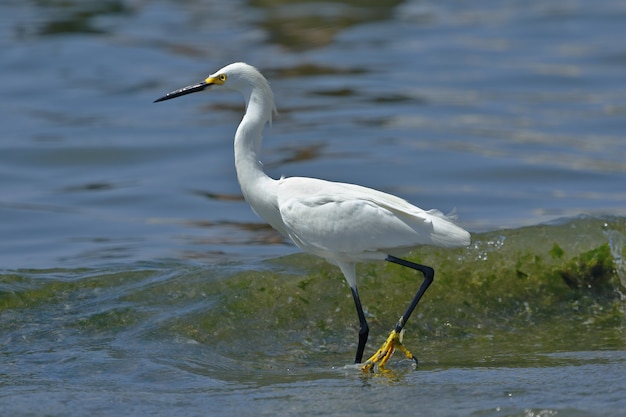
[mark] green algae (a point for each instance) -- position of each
(544, 288)
(593, 269)
(548, 283)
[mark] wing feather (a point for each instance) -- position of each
(336, 219)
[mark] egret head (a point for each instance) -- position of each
(238, 77)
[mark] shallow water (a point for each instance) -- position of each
(125, 238)
(170, 338)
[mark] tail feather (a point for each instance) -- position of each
(445, 232)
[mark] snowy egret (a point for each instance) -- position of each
(343, 223)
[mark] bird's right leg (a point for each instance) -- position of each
(363, 327)
(349, 272)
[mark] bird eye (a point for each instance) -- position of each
(222, 77)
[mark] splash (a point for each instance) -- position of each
(616, 244)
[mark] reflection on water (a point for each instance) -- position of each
(303, 25)
(71, 17)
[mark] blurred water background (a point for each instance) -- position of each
(120, 217)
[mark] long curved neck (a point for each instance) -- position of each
(248, 140)
(259, 190)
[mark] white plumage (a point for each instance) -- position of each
(343, 223)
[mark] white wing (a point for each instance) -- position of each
(352, 223)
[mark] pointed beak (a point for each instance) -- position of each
(185, 90)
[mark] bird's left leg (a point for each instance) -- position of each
(395, 339)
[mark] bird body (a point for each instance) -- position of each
(343, 223)
(337, 221)
(350, 223)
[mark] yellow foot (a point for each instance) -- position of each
(380, 358)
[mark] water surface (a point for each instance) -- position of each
(125, 237)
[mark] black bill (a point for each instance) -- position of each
(183, 91)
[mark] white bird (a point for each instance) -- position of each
(343, 223)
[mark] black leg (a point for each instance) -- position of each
(429, 275)
(363, 328)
